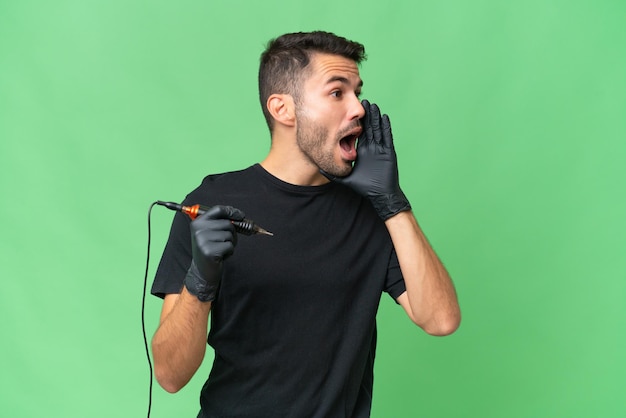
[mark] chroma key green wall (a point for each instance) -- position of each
(510, 124)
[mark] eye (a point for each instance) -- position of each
(336, 93)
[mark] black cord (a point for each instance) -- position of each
(143, 312)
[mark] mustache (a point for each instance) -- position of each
(353, 129)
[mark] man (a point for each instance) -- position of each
(293, 315)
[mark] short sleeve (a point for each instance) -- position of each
(394, 284)
(175, 260)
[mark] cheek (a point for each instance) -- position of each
(320, 118)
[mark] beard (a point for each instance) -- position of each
(313, 140)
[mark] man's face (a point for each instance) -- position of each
(328, 113)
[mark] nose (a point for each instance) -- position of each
(357, 111)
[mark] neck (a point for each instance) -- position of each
(287, 162)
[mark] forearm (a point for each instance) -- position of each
(430, 298)
(179, 344)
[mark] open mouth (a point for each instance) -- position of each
(348, 144)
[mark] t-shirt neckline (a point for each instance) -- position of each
(288, 186)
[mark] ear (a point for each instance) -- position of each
(282, 108)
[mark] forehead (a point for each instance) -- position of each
(326, 68)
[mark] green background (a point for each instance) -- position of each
(510, 125)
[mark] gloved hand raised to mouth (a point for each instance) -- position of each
(213, 239)
(375, 171)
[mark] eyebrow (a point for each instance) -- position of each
(342, 80)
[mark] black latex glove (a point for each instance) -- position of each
(375, 171)
(213, 239)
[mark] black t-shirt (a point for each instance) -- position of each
(294, 322)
